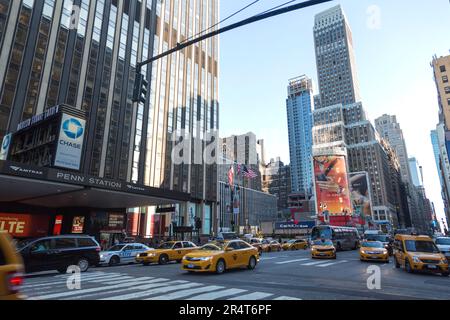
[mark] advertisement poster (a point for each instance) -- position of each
(331, 184)
(70, 143)
(360, 194)
(78, 225)
(4, 150)
(24, 225)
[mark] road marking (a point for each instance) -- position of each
(332, 263)
(118, 278)
(61, 281)
(287, 298)
(156, 283)
(136, 279)
(84, 291)
(218, 294)
(252, 296)
(185, 293)
(291, 261)
(267, 258)
(313, 263)
(166, 288)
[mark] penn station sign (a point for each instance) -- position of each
(87, 180)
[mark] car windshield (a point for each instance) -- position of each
(323, 243)
(166, 245)
(117, 247)
(421, 246)
(443, 241)
(372, 244)
(23, 243)
(216, 246)
(291, 241)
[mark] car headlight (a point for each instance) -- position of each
(416, 259)
(204, 258)
(152, 254)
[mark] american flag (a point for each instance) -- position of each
(248, 173)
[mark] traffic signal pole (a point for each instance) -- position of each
(270, 14)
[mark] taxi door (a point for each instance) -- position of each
(177, 252)
(244, 254)
(399, 252)
(188, 247)
(231, 257)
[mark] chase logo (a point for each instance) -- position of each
(6, 142)
(73, 128)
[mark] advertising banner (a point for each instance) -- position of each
(70, 143)
(360, 194)
(78, 225)
(293, 225)
(331, 185)
(24, 225)
(4, 150)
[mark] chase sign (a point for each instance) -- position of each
(5, 147)
(70, 142)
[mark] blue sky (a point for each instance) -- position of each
(393, 54)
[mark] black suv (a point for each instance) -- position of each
(59, 252)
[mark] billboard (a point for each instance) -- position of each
(331, 185)
(360, 194)
(70, 143)
(24, 225)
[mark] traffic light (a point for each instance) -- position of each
(140, 88)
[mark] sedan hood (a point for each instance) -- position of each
(204, 253)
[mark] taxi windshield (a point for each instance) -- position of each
(216, 246)
(421, 246)
(166, 245)
(117, 247)
(323, 243)
(372, 244)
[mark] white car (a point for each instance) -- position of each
(122, 253)
(443, 243)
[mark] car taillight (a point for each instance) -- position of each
(15, 280)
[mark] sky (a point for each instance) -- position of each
(394, 44)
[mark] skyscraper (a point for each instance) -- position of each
(299, 114)
(441, 70)
(335, 59)
(340, 121)
(83, 53)
(416, 172)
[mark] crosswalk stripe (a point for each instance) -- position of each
(332, 263)
(291, 261)
(90, 274)
(185, 293)
(313, 263)
(155, 283)
(217, 295)
(58, 280)
(287, 298)
(164, 289)
(84, 291)
(252, 296)
(118, 278)
(136, 279)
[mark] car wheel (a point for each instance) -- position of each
(252, 263)
(83, 264)
(397, 265)
(163, 259)
(114, 261)
(408, 267)
(220, 266)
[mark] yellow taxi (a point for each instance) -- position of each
(295, 244)
(323, 249)
(419, 253)
(270, 245)
(11, 269)
(257, 243)
(373, 251)
(219, 256)
(168, 251)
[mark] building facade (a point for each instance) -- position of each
(441, 71)
(276, 181)
(83, 53)
(299, 114)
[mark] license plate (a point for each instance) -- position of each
(190, 266)
(431, 267)
(322, 254)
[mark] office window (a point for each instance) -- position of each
(442, 68)
(447, 89)
(445, 79)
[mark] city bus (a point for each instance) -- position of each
(344, 238)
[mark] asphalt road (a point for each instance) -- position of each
(279, 276)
